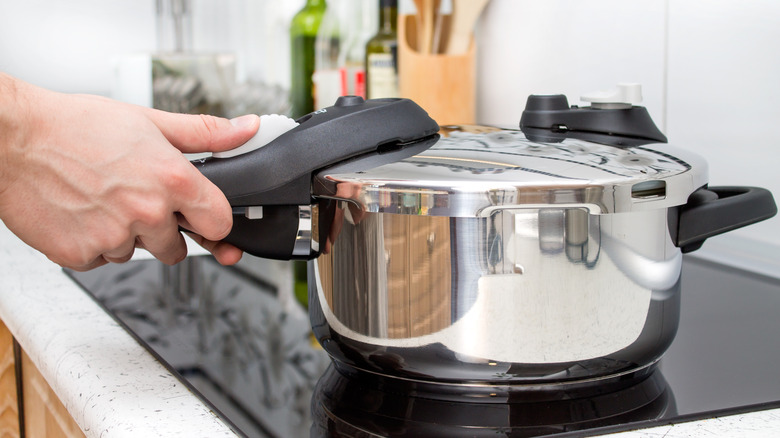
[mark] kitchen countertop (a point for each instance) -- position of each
(108, 382)
(113, 387)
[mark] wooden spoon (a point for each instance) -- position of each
(465, 14)
(425, 12)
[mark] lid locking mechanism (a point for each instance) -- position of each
(613, 118)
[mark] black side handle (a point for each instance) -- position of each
(717, 210)
(271, 237)
(274, 235)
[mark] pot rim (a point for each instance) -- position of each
(473, 174)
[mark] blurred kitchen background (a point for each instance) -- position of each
(709, 70)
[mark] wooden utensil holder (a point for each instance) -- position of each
(443, 85)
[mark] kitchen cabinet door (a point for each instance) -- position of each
(9, 406)
(44, 413)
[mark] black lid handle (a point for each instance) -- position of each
(280, 172)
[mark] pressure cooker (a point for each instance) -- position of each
(473, 255)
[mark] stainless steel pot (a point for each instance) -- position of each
(490, 258)
(542, 256)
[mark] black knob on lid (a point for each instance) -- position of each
(343, 101)
(554, 102)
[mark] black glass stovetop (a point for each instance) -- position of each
(248, 352)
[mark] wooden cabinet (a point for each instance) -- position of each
(9, 404)
(35, 409)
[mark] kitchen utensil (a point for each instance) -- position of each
(445, 85)
(465, 14)
(488, 258)
(426, 10)
(438, 29)
(493, 259)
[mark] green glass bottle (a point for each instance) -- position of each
(382, 54)
(301, 282)
(303, 34)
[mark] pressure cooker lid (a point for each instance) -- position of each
(472, 170)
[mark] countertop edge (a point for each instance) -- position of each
(108, 382)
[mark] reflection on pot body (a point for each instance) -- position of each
(492, 259)
(520, 287)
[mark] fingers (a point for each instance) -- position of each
(100, 261)
(186, 197)
(166, 244)
(191, 201)
(164, 241)
(225, 253)
(202, 204)
(191, 198)
(204, 133)
(203, 207)
(122, 253)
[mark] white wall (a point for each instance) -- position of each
(570, 47)
(710, 70)
(72, 46)
(69, 45)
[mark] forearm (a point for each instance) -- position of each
(14, 113)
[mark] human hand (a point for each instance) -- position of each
(85, 179)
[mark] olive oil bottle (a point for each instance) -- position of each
(382, 54)
(303, 34)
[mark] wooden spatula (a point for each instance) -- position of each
(425, 12)
(465, 14)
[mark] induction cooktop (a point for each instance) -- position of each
(227, 334)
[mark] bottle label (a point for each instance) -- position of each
(382, 76)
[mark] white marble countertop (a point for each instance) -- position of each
(113, 387)
(108, 382)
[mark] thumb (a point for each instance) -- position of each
(203, 133)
